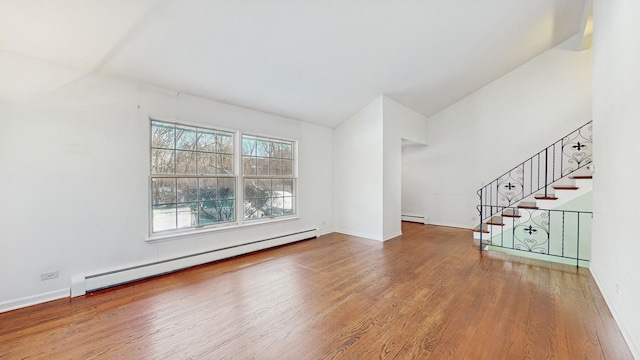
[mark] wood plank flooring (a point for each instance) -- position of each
(429, 294)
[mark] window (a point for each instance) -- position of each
(194, 181)
(192, 178)
(268, 177)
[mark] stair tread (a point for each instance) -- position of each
(582, 177)
(527, 205)
(565, 187)
(511, 213)
(495, 220)
(546, 197)
(485, 229)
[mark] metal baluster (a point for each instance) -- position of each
(554, 162)
(480, 220)
(563, 234)
(546, 170)
(531, 178)
(513, 230)
(538, 177)
(502, 231)
(578, 241)
(549, 232)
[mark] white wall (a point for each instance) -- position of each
(368, 168)
(74, 154)
(493, 129)
(358, 160)
(616, 110)
(400, 122)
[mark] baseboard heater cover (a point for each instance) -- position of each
(414, 218)
(112, 278)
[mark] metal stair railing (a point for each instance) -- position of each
(548, 232)
(538, 172)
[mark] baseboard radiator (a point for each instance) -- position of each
(93, 282)
(414, 218)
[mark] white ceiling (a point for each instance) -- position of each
(315, 60)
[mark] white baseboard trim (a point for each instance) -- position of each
(389, 237)
(33, 300)
(607, 299)
(360, 235)
(81, 284)
(414, 218)
(325, 231)
(440, 223)
(93, 282)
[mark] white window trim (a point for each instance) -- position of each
(192, 232)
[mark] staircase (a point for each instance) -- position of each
(525, 209)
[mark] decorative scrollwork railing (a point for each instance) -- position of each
(538, 172)
(558, 233)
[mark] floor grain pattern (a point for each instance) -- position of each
(429, 294)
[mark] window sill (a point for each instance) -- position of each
(176, 235)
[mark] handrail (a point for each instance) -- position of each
(552, 163)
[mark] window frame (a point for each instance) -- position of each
(237, 175)
(293, 177)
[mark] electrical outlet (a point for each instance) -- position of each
(618, 289)
(49, 275)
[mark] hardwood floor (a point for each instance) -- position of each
(426, 295)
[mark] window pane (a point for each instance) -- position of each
(281, 201)
(216, 211)
(228, 210)
(248, 146)
(162, 161)
(164, 217)
(275, 149)
(262, 167)
(249, 165)
(187, 190)
(277, 185)
(163, 191)
(226, 189)
(206, 141)
(265, 185)
(185, 162)
(225, 143)
(274, 167)
(206, 163)
(208, 188)
(162, 135)
(288, 186)
(206, 213)
(276, 205)
(263, 202)
(185, 138)
(256, 195)
(286, 151)
(225, 164)
(187, 215)
(251, 189)
(287, 168)
(250, 211)
(263, 147)
(288, 205)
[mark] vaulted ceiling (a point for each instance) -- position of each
(314, 60)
